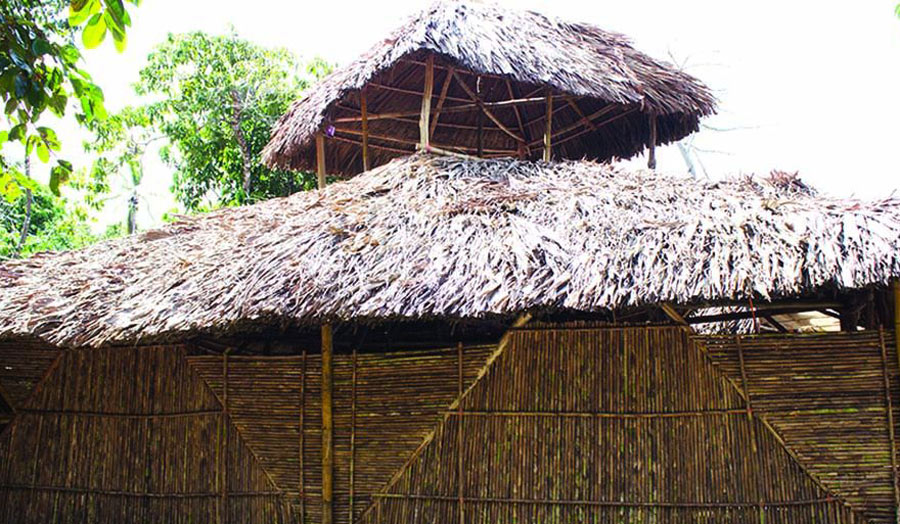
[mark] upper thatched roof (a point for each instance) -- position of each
(437, 236)
(595, 75)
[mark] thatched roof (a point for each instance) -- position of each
(595, 76)
(444, 237)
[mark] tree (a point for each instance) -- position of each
(120, 143)
(50, 224)
(39, 71)
(218, 99)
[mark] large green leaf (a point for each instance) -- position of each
(94, 32)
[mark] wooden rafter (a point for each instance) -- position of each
(441, 99)
(487, 112)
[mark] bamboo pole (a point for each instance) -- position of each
(327, 426)
(301, 443)
(548, 132)
(889, 409)
(363, 107)
(523, 148)
(670, 311)
(224, 487)
(460, 466)
(651, 160)
(895, 288)
(484, 109)
(353, 436)
(441, 99)
(426, 103)
(320, 159)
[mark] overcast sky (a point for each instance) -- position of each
(804, 85)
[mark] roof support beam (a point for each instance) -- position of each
(424, 126)
(320, 159)
(463, 108)
(363, 107)
(548, 131)
(441, 98)
(523, 148)
(651, 155)
(485, 110)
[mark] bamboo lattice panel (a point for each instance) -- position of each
(603, 425)
(22, 365)
(129, 435)
(825, 396)
(396, 401)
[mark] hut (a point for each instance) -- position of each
(485, 322)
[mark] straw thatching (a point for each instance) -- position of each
(445, 237)
(604, 91)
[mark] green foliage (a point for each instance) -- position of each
(54, 225)
(40, 71)
(219, 97)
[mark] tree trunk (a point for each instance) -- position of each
(132, 213)
(26, 224)
(242, 142)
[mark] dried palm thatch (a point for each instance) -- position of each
(603, 89)
(428, 236)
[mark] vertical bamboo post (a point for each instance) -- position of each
(224, 486)
(327, 382)
(364, 108)
(424, 140)
(460, 470)
(746, 386)
(651, 155)
(548, 136)
(353, 437)
(302, 443)
(895, 287)
(480, 136)
(889, 408)
(327, 426)
(320, 159)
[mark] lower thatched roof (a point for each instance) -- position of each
(432, 236)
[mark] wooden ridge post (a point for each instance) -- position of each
(363, 107)
(327, 381)
(651, 154)
(548, 132)
(424, 127)
(327, 426)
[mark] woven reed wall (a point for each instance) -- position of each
(566, 425)
(604, 425)
(384, 406)
(129, 435)
(825, 396)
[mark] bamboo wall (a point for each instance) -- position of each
(129, 435)
(384, 406)
(825, 396)
(602, 424)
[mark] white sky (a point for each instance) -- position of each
(803, 84)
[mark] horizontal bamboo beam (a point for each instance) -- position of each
(597, 414)
(137, 494)
(406, 141)
(113, 414)
(741, 315)
(470, 106)
(606, 503)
